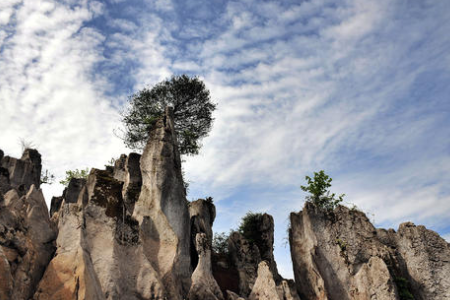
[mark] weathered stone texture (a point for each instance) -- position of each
(427, 259)
(204, 286)
(100, 245)
(26, 242)
(264, 287)
(23, 172)
(329, 249)
(162, 211)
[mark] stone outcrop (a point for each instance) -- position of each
(95, 243)
(427, 259)
(340, 255)
(264, 287)
(127, 170)
(23, 172)
(26, 235)
(204, 286)
(162, 211)
(202, 214)
(245, 257)
(330, 248)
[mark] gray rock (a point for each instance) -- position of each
(233, 296)
(245, 257)
(427, 259)
(26, 243)
(202, 214)
(95, 243)
(73, 190)
(133, 181)
(329, 249)
(204, 286)
(24, 172)
(55, 205)
(264, 288)
(162, 210)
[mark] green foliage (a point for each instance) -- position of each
(47, 177)
(403, 288)
(320, 195)
(192, 108)
(74, 174)
(220, 243)
(249, 227)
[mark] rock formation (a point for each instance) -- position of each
(162, 211)
(26, 235)
(128, 232)
(204, 286)
(264, 287)
(202, 214)
(340, 255)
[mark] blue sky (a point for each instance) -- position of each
(357, 88)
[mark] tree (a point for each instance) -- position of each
(320, 195)
(220, 243)
(192, 108)
(74, 174)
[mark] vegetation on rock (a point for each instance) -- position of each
(192, 109)
(320, 196)
(74, 174)
(220, 243)
(249, 227)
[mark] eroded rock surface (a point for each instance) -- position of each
(204, 286)
(427, 259)
(99, 253)
(264, 288)
(162, 211)
(328, 250)
(26, 234)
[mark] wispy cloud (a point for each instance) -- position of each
(357, 88)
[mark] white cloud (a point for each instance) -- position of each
(319, 85)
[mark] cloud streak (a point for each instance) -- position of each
(357, 88)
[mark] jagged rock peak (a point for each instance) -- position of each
(22, 173)
(162, 210)
(264, 288)
(340, 255)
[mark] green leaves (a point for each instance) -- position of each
(192, 108)
(74, 174)
(320, 195)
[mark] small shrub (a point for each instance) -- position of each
(249, 227)
(403, 288)
(320, 195)
(74, 174)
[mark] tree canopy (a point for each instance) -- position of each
(192, 108)
(320, 195)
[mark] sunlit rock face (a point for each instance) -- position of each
(162, 210)
(340, 255)
(99, 252)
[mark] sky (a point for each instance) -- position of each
(357, 88)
